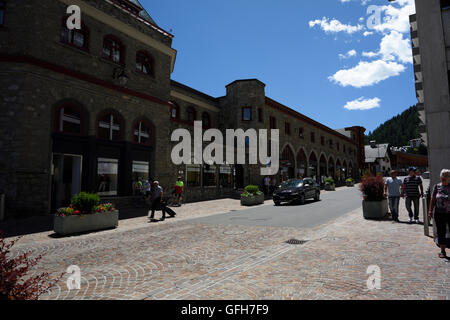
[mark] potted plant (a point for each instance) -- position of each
(350, 182)
(85, 213)
(329, 184)
(252, 196)
(375, 204)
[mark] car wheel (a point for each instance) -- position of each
(302, 199)
(317, 196)
(277, 203)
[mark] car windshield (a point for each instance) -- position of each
(292, 184)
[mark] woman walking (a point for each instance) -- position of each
(440, 201)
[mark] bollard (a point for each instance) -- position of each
(2, 207)
(426, 223)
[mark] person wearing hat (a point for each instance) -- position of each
(410, 189)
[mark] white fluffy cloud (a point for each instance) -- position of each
(335, 26)
(393, 47)
(396, 16)
(349, 54)
(367, 73)
(363, 104)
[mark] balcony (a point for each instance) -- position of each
(420, 107)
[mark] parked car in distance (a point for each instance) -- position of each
(297, 190)
(426, 175)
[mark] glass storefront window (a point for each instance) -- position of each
(193, 175)
(107, 176)
(209, 175)
(226, 176)
(140, 176)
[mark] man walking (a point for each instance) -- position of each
(179, 186)
(410, 189)
(392, 188)
(266, 185)
(157, 200)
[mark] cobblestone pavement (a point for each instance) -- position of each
(177, 259)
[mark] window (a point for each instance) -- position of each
(193, 175)
(343, 147)
(141, 133)
(330, 143)
(246, 113)
(287, 128)
(322, 140)
(209, 175)
(69, 120)
(313, 137)
(109, 127)
(226, 176)
(144, 63)
(107, 176)
(140, 175)
(206, 120)
(77, 38)
(273, 123)
(260, 115)
(337, 146)
(191, 114)
(2, 12)
(301, 133)
(174, 110)
(112, 49)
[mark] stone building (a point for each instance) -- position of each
(430, 34)
(93, 110)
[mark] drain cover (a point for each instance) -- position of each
(296, 241)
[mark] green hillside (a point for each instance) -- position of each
(398, 130)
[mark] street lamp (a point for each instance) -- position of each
(120, 76)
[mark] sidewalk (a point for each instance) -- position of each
(178, 259)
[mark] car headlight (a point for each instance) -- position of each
(295, 193)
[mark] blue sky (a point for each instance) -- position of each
(318, 57)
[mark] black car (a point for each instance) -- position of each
(297, 190)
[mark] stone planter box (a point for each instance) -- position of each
(252, 201)
(375, 209)
(89, 222)
(350, 184)
(330, 187)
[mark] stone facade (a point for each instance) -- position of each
(44, 77)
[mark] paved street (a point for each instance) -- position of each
(205, 253)
(292, 215)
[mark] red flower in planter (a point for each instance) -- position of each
(76, 212)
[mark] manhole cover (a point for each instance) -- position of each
(296, 241)
(233, 232)
(334, 239)
(383, 244)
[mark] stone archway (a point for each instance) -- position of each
(287, 164)
(323, 167)
(331, 171)
(345, 169)
(338, 170)
(302, 164)
(313, 168)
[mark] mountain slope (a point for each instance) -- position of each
(398, 130)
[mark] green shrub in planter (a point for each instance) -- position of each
(329, 180)
(86, 202)
(251, 189)
(350, 180)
